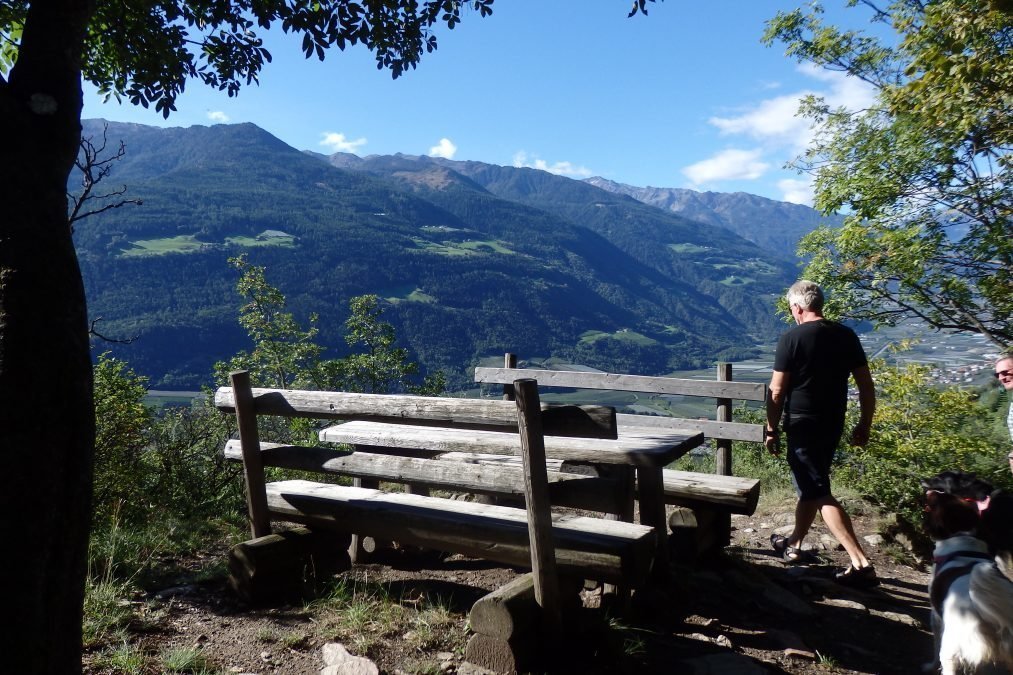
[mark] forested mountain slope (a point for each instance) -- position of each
(773, 225)
(467, 268)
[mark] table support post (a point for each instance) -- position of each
(651, 489)
(723, 451)
(536, 499)
(509, 361)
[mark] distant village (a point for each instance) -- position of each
(954, 359)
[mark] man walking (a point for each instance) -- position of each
(1004, 373)
(809, 385)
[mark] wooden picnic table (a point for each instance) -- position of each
(646, 452)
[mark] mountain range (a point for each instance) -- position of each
(739, 212)
(470, 259)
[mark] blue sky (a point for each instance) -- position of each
(684, 97)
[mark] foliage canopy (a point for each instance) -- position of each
(923, 174)
(149, 54)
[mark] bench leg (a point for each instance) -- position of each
(624, 508)
(651, 487)
(361, 545)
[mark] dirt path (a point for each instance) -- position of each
(744, 612)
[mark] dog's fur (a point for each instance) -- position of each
(972, 613)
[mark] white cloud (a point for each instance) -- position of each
(445, 149)
(727, 165)
(773, 121)
(217, 116)
(521, 160)
(850, 92)
(336, 142)
(796, 191)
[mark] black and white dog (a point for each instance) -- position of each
(972, 598)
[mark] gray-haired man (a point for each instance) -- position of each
(809, 385)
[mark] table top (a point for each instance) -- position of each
(640, 449)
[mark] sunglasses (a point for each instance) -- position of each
(1003, 373)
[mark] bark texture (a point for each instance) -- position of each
(46, 411)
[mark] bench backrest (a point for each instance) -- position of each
(717, 389)
(588, 421)
(724, 390)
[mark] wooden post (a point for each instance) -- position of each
(509, 361)
(253, 465)
(723, 450)
(536, 498)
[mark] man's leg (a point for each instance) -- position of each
(805, 514)
(840, 526)
(811, 478)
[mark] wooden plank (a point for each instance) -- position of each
(688, 488)
(592, 547)
(536, 501)
(650, 448)
(594, 421)
(746, 391)
(490, 478)
(733, 493)
(253, 470)
(732, 431)
(390, 408)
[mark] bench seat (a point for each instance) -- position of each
(589, 547)
(502, 479)
(692, 489)
(709, 490)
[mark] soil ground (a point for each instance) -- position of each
(742, 611)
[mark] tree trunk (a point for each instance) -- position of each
(47, 424)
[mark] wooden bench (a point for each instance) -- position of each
(532, 536)
(704, 501)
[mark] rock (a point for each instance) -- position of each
(784, 530)
(725, 663)
(830, 543)
(724, 641)
(338, 661)
(905, 619)
(874, 539)
(467, 668)
(846, 604)
(749, 529)
(697, 636)
(800, 654)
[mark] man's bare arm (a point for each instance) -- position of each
(775, 406)
(866, 403)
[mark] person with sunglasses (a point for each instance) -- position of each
(1004, 373)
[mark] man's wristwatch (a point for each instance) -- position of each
(770, 433)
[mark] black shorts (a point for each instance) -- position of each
(810, 454)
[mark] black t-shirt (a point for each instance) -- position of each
(818, 356)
